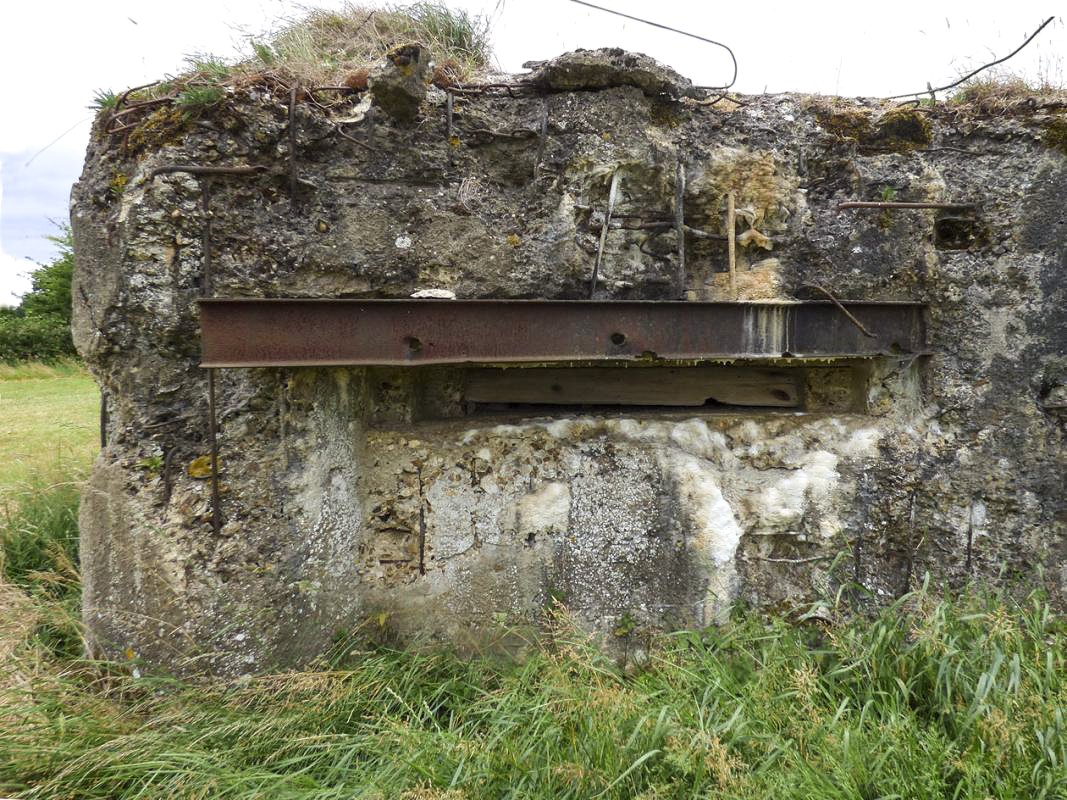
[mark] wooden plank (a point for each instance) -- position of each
(647, 386)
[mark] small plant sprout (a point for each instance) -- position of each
(104, 100)
(199, 96)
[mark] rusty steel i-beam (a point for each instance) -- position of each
(290, 332)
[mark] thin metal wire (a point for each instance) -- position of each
(672, 30)
(969, 75)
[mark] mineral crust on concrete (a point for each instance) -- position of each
(378, 497)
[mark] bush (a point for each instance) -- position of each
(32, 338)
(39, 329)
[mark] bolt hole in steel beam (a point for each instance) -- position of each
(293, 332)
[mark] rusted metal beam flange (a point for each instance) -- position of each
(294, 333)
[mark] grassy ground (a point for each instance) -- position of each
(931, 699)
(49, 424)
(934, 697)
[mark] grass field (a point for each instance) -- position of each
(938, 696)
(49, 425)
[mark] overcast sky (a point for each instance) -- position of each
(55, 55)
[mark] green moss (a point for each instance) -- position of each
(159, 128)
(1055, 135)
(664, 114)
(848, 124)
(900, 130)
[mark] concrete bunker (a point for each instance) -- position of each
(608, 414)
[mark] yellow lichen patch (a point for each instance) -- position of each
(764, 190)
(200, 468)
(118, 182)
(761, 281)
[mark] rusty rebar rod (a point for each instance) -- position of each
(207, 290)
(134, 107)
(731, 242)
(213, 437)
(292, 141)
(679, 221)
(103, 418)
(894, 205)
(661, 226)
(195, 169)
(542, 138)
(840, 307)
(612, 193)
(205, 240)
(122, 97)
(449, 101)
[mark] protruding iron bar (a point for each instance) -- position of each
(213, 437)
(292, 141)
(731, 242)
(206, 274)
(895, 205)
(672, 30)
(295, 333)
(200, 169)
(837, 303)
(679, 223)
(103, 418)
(207, 289)
(448, 134)
(541, 139)
(604, 232)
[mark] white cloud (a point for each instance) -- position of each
(14, 271)
(14, 280)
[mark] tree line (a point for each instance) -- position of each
(38, 328)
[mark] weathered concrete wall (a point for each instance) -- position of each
(351, 494)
